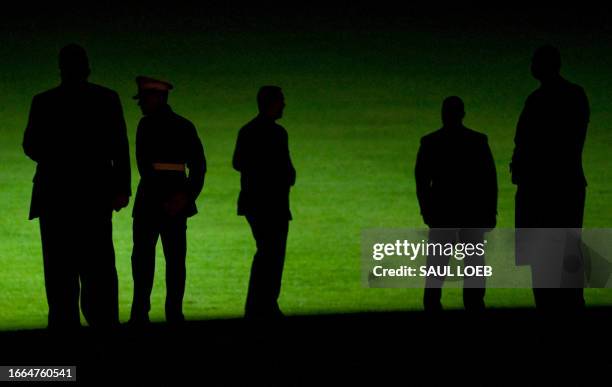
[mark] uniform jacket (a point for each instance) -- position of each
(166, 137)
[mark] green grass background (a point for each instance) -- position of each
(359, 97)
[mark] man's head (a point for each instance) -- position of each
(453, 111)
(271, 102)
(73, 64)
(152, 94)
(546, 63)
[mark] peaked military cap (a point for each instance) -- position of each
(150, 84)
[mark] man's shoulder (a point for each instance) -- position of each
(255, 122)
(101, 91)
(432, 137)
(172, 119)
(562, 87)
(572, 87)
(577, 92)
(475, 135)
(459, 134)
(91, 89)
(48, 95)
(181, 121)
(258, 127)
(280, 127)
(250, 127)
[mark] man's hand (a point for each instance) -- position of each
(176, 204)
(120, 201)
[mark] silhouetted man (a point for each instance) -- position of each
(266, 176)
(76, 135)
(457, 190)
(547, 164)
(166, 146)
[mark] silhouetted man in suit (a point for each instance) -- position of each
(76, 135)
(166, 146)
(457, 190)
(547, 163)
(266, 176)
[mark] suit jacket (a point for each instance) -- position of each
(266, 171)
(456, 180)
(166, 137)
(76, 134)
(550, 136)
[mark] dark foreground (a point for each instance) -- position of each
(494, 348)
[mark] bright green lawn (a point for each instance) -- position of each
(357, 104)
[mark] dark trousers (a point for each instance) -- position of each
(474, 287)
(79, 260)
(559, 207)
(146, 232)
(267, 268)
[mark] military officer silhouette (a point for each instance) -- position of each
(76, 134)
(547, 170)
(266, 176)
(167, 147)
(456, 187)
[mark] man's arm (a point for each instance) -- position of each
(422, 176)
(584, 115)
(290, 167)
(31, 137)
(238, 160)
(143, 161)
(516, 165)
(196, 162)
(121, 151)
(490, 188)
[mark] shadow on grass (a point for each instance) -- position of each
(306, 349)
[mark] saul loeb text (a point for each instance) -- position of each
(430, 259)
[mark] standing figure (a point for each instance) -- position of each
(166, 146)
(266, 176)
(547, 170)
(76, 134)
(456, 186)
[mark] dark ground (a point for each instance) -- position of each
(489, 349)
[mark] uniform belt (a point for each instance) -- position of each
(169, 167)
